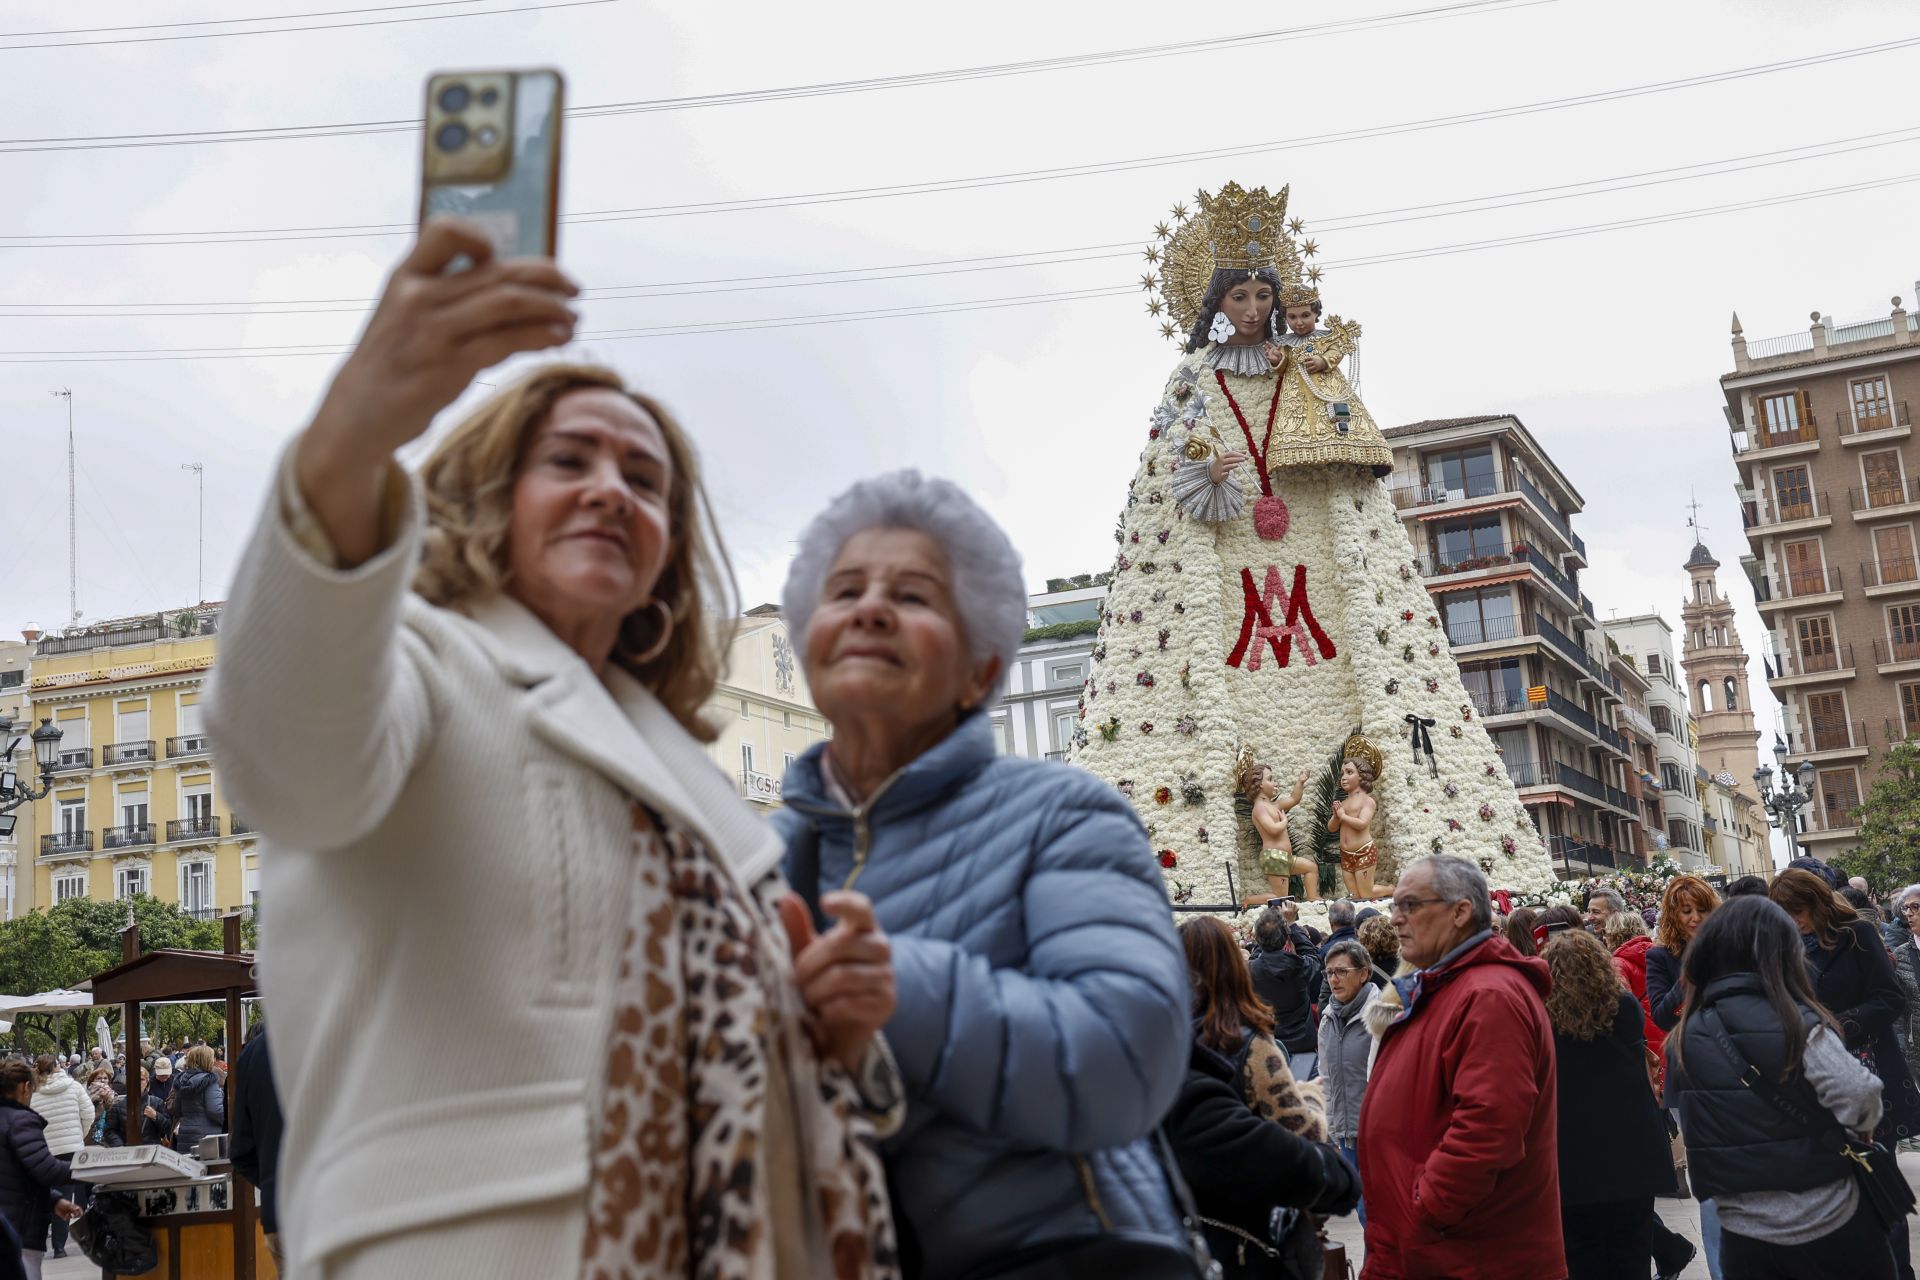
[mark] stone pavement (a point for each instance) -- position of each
(1682, 1216)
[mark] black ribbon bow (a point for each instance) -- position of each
(1421, 741)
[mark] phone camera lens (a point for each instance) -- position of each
(454, 98)
(486, 135)
(489, 96)
(452, 136)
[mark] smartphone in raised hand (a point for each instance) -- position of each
(492, 155)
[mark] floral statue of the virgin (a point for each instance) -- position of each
(1265, 600)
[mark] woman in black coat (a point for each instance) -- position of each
(1853, 978)
(156, 1126)
(29, 1173)
(1241, 1165)
(1610, 1173)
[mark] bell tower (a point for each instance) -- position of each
(1716, 669)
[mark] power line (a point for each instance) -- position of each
(276, 31)
(195, 137)
(1040, 257)
(218, 22)
(1019, 177)
(141, 354)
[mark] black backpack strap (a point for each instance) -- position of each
(803, 861)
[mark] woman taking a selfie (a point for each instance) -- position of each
(513, 911)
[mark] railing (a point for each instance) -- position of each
(127, 837)
(1579, 857)
(1499, 704)
(1885, 651)
(1526, 773)
(1808, 582)
(1507, 480)
(192, 744)
(1805, 433)
(1849, 425)
(1813, 507)
(100, 640)
(1482, 631)
(127, 753)
(1553, 514)
(1833, 735)
(1838, 658)
(1612, 738)
(1897, 731)
(1889, 572)
(1435, 566)
(75, 758)
(1637, 721)
(200, 913)
(66, 842)
(236, 825)
(1887, 494)
(1056, 755)
(193, 829)
(1711, 823)
(1572, 711)
(1551, 574)
(1571, 648)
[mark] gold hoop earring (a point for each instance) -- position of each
(659, 646)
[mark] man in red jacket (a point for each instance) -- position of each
(1457, 1132)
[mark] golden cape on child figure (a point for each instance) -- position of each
(1265, 602)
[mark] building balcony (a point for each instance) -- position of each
(1765, 445)
(1484, 631)
(1586, 784)
(761, 787)
(1501, 559)
(180, 829)
(1830, 740)
(1796, 669)
(1896, 657)
(66, 844)
(137, 835)
(201, 913)
(1896, 575)
(1802, 588)
(1894, 424)
(1810, 512)
(74, 760)
(1896, 731)
(192, 744)
(1560, 582)
(1827, 835)
(1637, 721)
(1579, 859)
(1576, 653)
(236, 825)
(1492, 706)
(123, 753)
(1508, 488)
(1886, 501)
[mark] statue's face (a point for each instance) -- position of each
(1349, 778)
(1249, 306)
(1300, 319)
(1268, 787)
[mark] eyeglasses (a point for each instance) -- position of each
(1343, 971)
(1407, 906)
(1908, 908)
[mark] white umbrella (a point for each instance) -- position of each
(105, 1037)
(56, 1001)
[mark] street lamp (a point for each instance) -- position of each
(1794, 794)
(46, 750)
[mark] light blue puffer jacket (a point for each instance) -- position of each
(1043, 995)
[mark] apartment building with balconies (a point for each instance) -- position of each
(1829, 483)
(1646, 641)
(1040, 708)
(136, 806)
(1490, 517)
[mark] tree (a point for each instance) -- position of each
(1889, 851)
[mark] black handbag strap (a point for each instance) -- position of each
(803, 856)
(1825, 1130)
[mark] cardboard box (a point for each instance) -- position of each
(142, 1166)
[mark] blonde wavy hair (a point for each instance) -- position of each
(469, 481)
(1586, 987)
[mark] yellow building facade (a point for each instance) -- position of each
(136, 806)
(762, 709)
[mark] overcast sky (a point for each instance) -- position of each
(1608, 345)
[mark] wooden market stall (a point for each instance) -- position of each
(205, 1228)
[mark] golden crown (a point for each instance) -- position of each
(1358, 748)
(1233, 229)
(1299, 294)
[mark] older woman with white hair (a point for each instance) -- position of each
(1041, 1030)
(535, 1011)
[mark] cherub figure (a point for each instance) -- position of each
(1353, 818)
(1277, 858)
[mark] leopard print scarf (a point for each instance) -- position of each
(728, 1149)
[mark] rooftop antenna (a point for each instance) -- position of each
(1693, 520)
(73, 543)
(200, 560)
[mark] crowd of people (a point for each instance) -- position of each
(935, 1020)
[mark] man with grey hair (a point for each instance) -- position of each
(1602, 903)
(1459, 1133)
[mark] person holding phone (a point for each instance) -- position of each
(535, 1012)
